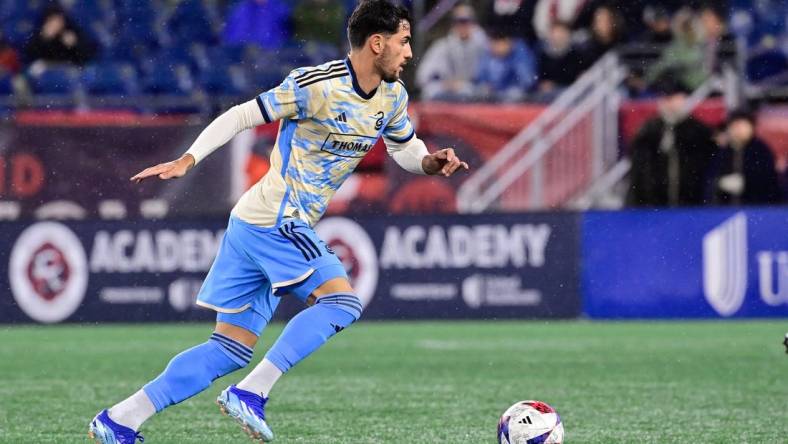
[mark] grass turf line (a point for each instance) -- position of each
(439, 382)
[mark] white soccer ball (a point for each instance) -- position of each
(530, 422)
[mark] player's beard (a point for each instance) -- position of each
(383, 63)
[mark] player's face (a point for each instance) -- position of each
(395, 55)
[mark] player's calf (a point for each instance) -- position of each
(312, 327)
(187, 374)
(304, 334)
(195, 369)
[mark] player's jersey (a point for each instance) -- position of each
(327, 126)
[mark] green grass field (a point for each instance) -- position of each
(445, 382)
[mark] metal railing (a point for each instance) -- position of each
(561, 153)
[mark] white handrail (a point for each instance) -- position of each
(527, 149)
(561, 103)
(537, 152)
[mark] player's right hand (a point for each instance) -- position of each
(167, 170)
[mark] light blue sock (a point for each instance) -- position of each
(193, 370)
(311, 328)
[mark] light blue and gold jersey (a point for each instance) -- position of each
(327, 125)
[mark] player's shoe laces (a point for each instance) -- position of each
(248, 409)
(106, 431)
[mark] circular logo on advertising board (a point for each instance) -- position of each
(48, 272)
(352, 245)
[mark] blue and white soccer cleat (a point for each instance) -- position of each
(248, 409)
(106, 431)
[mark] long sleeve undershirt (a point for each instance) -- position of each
(408, 155)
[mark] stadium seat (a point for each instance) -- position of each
(107, 78)
(221, 79)
(179, 55)
(53, 80)
(17, 30)
(765, 65)
(18, 9)
(189, 23)
(293, 57)
(265, 79)
(87, 12)
(220, 55)
(6, 85)
(167, 78)
(137, 10)
(321, 52)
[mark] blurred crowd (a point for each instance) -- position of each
(508, 50)
(494, 50)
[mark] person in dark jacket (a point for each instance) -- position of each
(59, 40)
(670, 154)
(606, 33)
(559, 62)
(743, 171)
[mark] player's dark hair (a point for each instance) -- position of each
(375, 17)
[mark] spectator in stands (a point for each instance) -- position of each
(57, 39)
(550, 12)
(683, 56)
(507, 69)
(447, 70)
(265, 23)
(717, 41)
(514, 17)
(670, 154)
(559, 63)
(606, 33)
(658, 31)
(320, 21)
(743, 171)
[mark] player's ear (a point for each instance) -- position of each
(376, 43)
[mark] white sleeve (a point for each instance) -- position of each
(408, 155)
(225, 127)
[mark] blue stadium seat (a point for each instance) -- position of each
(233, 54)
(319, 53)
(86, 12)
(223, 80)
(293, 57)
(19, 9)
(6, 85)
(177, 54)
(107, 79)
(136, 10)
(190, 23)
(167, 78)
(766, 65)
(138, 33)
(222, 55)
(53, 80)
(266, 78)
(18, 30)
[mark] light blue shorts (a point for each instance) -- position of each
(255, 266)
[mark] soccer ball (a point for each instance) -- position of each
(530, 422)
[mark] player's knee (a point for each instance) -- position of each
(235, 351)
(347, 302)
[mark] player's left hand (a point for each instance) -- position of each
(443, 162)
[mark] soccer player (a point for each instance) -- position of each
(330, 117)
